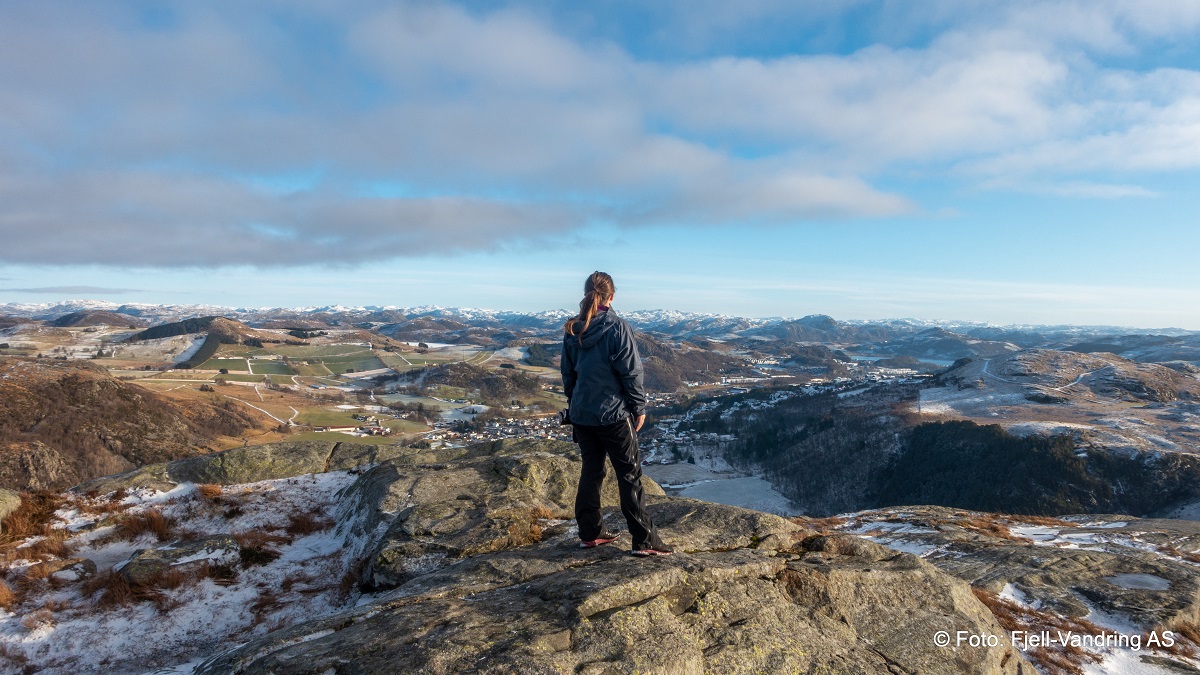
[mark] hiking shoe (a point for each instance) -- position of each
(659, 549)
(604, 538)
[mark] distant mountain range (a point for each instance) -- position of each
(817, 326)
(917, 338)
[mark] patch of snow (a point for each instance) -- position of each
(1127, 663)
(1104, 524)
(1014, 594)
(1145, 582)
(202, 617)
(904, 546)
(1035, 532)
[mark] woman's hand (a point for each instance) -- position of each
(641, 419)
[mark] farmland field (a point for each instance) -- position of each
(314, 370)
(229, 364)
(404, 426)
(240, 377)
(270, 367)
(364, 361)
(319, 351)
(327, 418)
(397, 362)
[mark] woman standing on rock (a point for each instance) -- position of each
(602, 378)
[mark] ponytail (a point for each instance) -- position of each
(596, 290)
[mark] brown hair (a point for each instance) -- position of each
(596, 290)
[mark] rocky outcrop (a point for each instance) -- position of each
(65, 422)
(35, 466)
(9, 501)
(148, 565)
(1143, 573)
(245, 465)
(473, 566)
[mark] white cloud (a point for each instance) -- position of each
(505, 126)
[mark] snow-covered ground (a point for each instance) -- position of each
(60, 629)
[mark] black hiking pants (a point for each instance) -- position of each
(618, 442)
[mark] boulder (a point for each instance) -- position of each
(441, 505)
(10, 500)
(69, 569)
(1142, 570)
(147, 566)
(246, 465)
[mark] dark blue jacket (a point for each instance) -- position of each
(602, 377)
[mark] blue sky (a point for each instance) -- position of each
(1019, 162)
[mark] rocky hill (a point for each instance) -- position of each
(1101, 400)
(97, 318)
(317, 558)
(320, 557)
(63, 422)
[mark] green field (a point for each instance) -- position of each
(398, 363)
(240, 377)
(404, 426)
(315, 370)
(240, 350)
(367, 361)
(445, 391)
(319, 351)
(328, 418)
(270, 367)
(231, 365)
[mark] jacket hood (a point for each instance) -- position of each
(601, 324)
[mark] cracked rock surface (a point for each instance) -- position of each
(473, 565)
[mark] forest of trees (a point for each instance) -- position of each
(185, 327)
(544, 355)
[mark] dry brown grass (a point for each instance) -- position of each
(546, 513)
(115, 590)
(352, 577)
(1187, 640)
(1171, 550)
(35, 516)
(255, 547)
(1061, 660)
(8, 597)
(821, 525)
(52, 545)
(37, 619)
(150, 520)
(1042, 521)
(99, 506)
(15, 657)
(35, 573)
(300, 524)
(209, 491)
(266, 603)
(523, 528)
(988, 527)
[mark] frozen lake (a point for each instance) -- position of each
(721, 487)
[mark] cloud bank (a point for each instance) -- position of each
(277, 134)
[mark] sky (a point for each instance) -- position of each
(1016, 162)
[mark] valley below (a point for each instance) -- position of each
(290, 492)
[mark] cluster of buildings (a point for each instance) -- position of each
(371, 426)
(546, 427)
